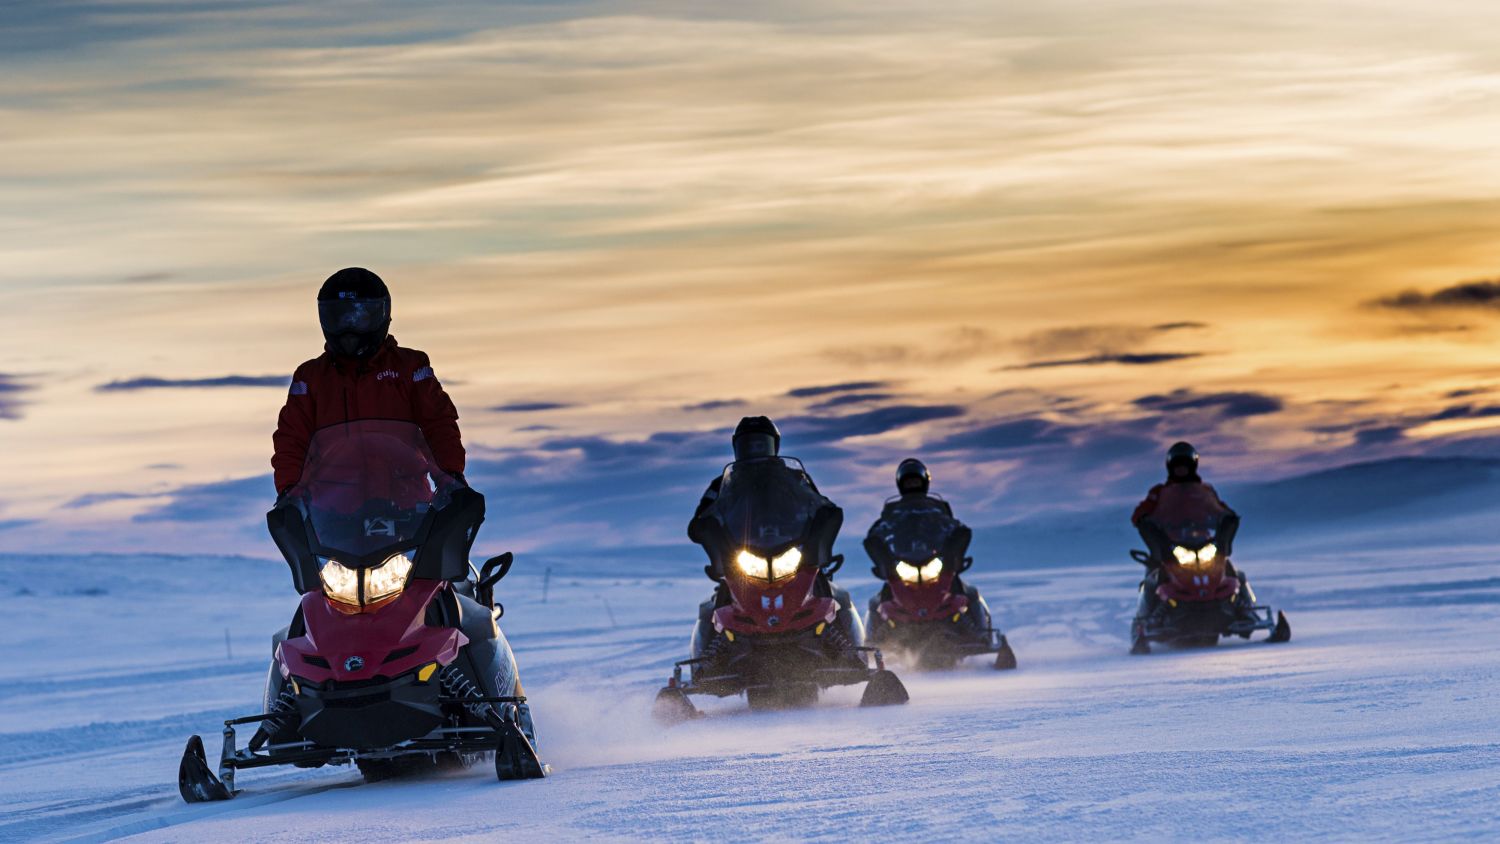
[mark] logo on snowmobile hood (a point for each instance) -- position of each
(354, 663)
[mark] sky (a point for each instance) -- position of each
(1032, 243)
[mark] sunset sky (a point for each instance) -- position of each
(1032, 243)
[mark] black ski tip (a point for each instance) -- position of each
(1140, 647)
(1005, 658)
(1283, 631)
(884, 689)
(672, 707)
(516, 759)
(196, 782)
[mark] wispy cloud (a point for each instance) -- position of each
(714, 404)
(1124, 359)
(1468, 295)
(150, 382)
(11, 388)
(829, 389)
(530, 407)
(1233, 404)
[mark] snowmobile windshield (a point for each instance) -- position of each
(370, 486)
(766, 503)
(358, 316)
(1189, 513)
(917, 534)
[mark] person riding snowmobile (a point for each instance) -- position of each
(1182, 468)
(1182, 473)
(914, 483)
(362, 374)
(918, 521)
(755, 438)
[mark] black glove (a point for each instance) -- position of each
(458, 476)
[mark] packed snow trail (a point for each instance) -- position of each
(1376, 722)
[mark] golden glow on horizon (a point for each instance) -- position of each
(630, 214)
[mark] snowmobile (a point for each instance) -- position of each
(777, 629)
(393, 660)
(925, 609)
(1192, 595)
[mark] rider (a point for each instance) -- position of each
(913, 481)
(362, 374)
(755, 438)
(1182, 468)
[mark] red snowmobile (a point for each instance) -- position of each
(393, 660)
(1193, 595)
(777, 630)
(925, 609)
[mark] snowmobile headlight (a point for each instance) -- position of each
(387, 579)
(1184, 556)
(751, 565)
(931, 570)
(786, 565)
(1207, 553)
(916, 575)
(340, 583)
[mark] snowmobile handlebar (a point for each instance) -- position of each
(835, 563)
(1140, 557)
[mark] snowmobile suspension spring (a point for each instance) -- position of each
(837, 639)
(281, 711)
(715, 646)
(458, 686)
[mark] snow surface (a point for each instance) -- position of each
(1377, 722)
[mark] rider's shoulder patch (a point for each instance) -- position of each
(422, 374)
(298, 388)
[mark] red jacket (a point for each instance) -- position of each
(1153, 498)
(394, 383)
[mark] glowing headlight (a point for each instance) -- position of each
(778, 568)
(1184, 556)
(751, 565)
(932, 569)
(387, 579)
(786, 565)
(1207, 553)
(925, 573)
(340, 583)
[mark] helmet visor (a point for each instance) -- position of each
(353, 316)
(752, 445)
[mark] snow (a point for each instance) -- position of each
(1377, 722)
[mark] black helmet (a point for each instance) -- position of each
(1182, 454)
(756, 436)
(912, 476)
(354, 308)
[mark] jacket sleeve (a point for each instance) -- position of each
(1146, 507)
(710, 495)
(294, 428)
(438, 418)
(1222, 502)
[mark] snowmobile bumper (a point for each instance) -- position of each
(364, 715)
(504, 737)
(1187, 621)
